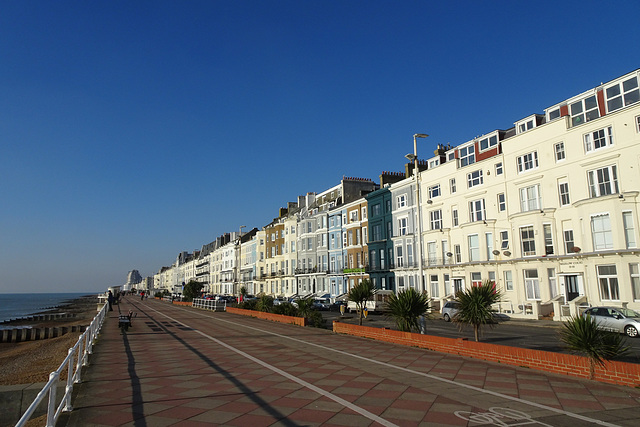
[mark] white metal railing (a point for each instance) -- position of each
(209, 304)
(81, 351)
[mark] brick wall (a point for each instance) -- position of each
(184, 303)
(612, 372)
(299, 321)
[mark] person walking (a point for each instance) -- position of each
(110, 300)
(142, 296)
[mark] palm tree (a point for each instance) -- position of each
(265, 303)
(474, 306)
(581, 335)
(406, 308)
(305, 307)
(360, 294)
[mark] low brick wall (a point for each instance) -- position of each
(299, 321)
(578, 366)
(184, 303)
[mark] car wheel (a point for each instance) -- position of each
(631, 331)
(446, 317)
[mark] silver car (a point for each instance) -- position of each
(616, 319)
(449, 310)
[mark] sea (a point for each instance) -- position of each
(13, 306)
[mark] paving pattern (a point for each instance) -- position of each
(179, 366)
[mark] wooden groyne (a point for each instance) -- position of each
(20, 334)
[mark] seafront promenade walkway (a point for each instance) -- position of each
(187, 367)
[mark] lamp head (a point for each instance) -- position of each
(411, 157)
(420, 135)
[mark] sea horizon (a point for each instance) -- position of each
(21, 304)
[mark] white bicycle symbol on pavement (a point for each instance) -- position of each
(503, 417)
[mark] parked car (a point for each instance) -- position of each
(321, 304)
(449, 309)
(336, 305)
(616, 319)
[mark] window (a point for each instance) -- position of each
(622, 94)
(563, 190)
(528, 242)
(554, 114)
(387, 205)
(532, 284)
(601, 232)
(499, 168)
(525, 126)
(454, 217)
(452, 185)
(434, 191)
(502, 203)
(474, 247)
(402, 202)
(436, 219)
(364, 212)
(476, 279)
(353, 215)
(467, 155)
(559, 150)
(608, 281)
(402, 226)
(548, 239)
(508, 280)
(584, 110)
(488, 142)
(638, 123)
(629, 231)
(375, 209)
(364, 235)
(377, 232)
(568, 242)
(409, 254)
(530, 198)
(504, 240)
(476, 209)
(474, 178)
(598, 139)
(488, 238)
(432, 258)
(457, 252)
(433, 163)
(603, 181)
(527, 162)
(553, 287)
(635, 280)
(399, 259)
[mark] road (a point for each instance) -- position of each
(514, 333)
(182, 366)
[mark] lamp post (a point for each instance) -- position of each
(414, 157)
(238, 261)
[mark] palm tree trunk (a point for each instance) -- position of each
(475, 331)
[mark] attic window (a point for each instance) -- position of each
(488, 142)
(584, 110)
(622, 94)
(554, 114)
(525, 125)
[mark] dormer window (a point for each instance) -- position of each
(488, 142)
(584, 110)
(622, 94)
(433, 163)
(467, 155)
(553, 114)
(526, 124)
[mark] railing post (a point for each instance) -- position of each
(51, 408)
(69, 388)
(81, 352)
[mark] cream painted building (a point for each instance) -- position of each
(548, 209)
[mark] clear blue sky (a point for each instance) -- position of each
(131, 131)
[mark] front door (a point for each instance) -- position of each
(571, 287)
(458, 285)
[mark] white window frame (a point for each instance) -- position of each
(547, 233)
(499, 169)
(603, 181)
(598, 139)
(626, 91)
(559, 152)
(477, 210)
(488, 142)
(563, 193)
(403, 226)
(531, 284)
(601, 232)
(508, 280)
(502, 202)
(608, 284)
(634, 275)
(473, 242)
(475, 178)
(584, 110)
(527, 162)
(528, 241)
(434, 191)
(401, 201)
(530, 199)
(467, 155)
(629, 230)
(569, 241)
(452, 185)
(435, 219)
(504, 240)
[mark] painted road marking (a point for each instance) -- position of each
(503, 417)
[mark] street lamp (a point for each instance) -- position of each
(238, 261)
(414, 157)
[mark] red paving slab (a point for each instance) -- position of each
(179, 366)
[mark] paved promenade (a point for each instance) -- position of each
(185, 367)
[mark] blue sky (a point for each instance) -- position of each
(131, 131)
